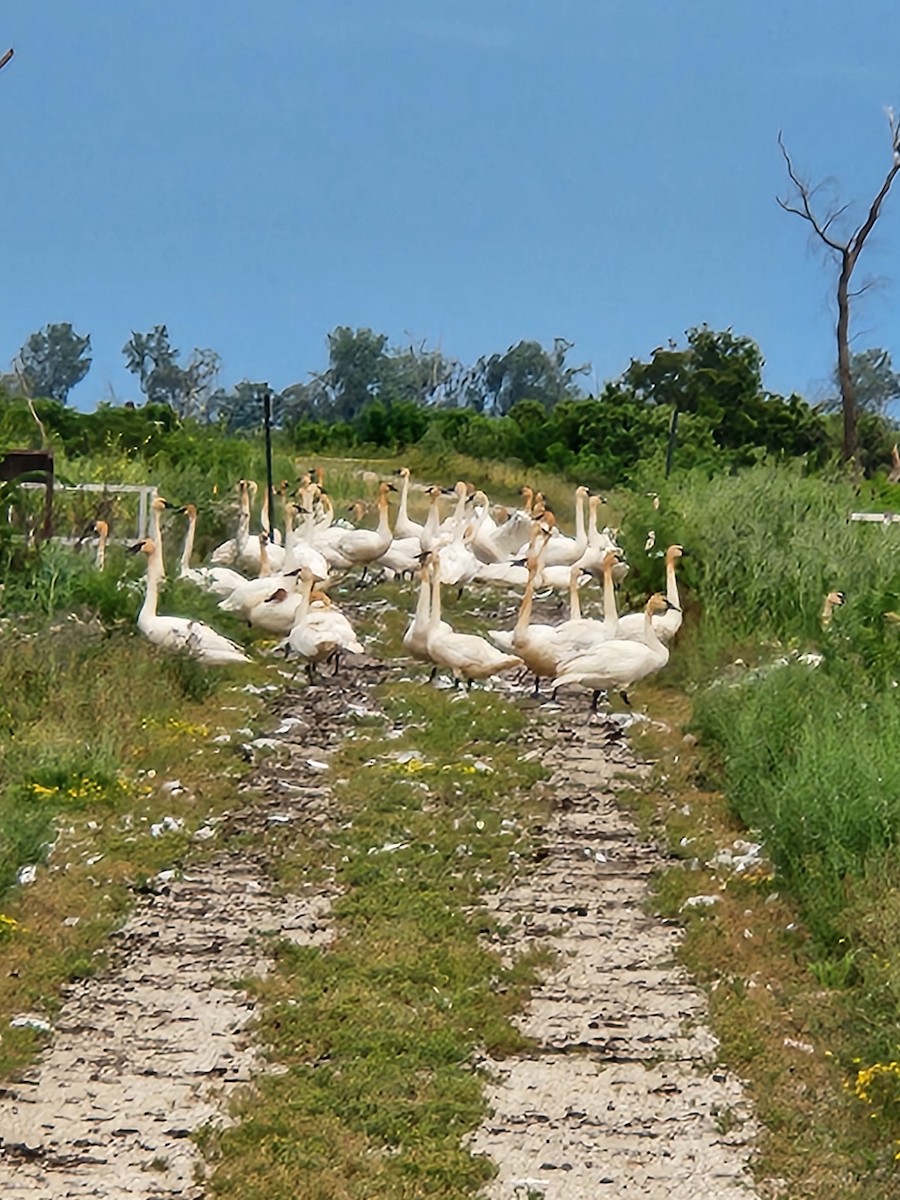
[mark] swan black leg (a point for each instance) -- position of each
(337, 662)
(598, 692)
(537, 687)
(624, 696)
(433, 675)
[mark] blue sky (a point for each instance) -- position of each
(466, 173)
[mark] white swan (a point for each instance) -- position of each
(221, 581)
(617, 663)
(157, 507)
(467, 655)
(536, 645)
(403, 526)
(581, 633)
(564, 551)
(458, 565)
(359, 547)
(599, 542)
(433, 535)
(226, 552)
(298, 548)
(667, 623)
(317, 635)
(415, 639)
(180, 633)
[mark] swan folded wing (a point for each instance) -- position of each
(470, 655)
(613, 664)
(197, 639)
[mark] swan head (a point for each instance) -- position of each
(307, 575)
(160, 504)
(658, 604)
(101, 529)
(675, 552)
(836, 598)
(145, 546)
(403, 472)
(190, 510)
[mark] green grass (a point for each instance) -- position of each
(379, 1030)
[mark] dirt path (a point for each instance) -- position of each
(146, 1053)
(622, 1096)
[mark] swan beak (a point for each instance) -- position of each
(136, 548)
(672, 607)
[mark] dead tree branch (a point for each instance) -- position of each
(802, 204)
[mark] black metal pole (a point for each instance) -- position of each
(673, 434)
(270, 490)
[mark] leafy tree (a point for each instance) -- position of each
(718, 377)
(802, 203)
(186, 389)
(242, 407)
(54, 360)
(875, 383)
(525, 372)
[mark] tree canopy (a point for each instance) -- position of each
(54, 360)
(186, 389)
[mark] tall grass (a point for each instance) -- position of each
(810, 761)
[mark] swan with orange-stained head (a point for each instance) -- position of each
(667, 623)
(180, 634)
(467, 655)
(618, 663)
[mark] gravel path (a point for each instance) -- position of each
(622, 1095)
(146, 1053)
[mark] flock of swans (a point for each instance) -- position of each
(279, 584)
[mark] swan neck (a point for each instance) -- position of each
(671, 584)
(156, 535)
(151, 590)
(188, 548)
(580, 532)
(574, 598)
(524, 618)
(423, 606)
(610, 613)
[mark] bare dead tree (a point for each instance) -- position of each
(802, 203)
